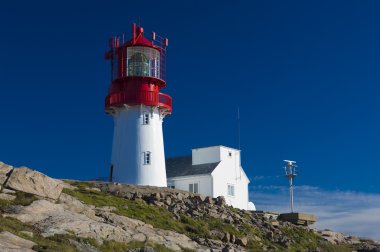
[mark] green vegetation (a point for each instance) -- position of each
(62, 242)
(159, 217)
(113, 246)
(309, 241)
(22, 198)
(56, 243)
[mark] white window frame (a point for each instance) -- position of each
(146, 119)
(192, 187)
(231, 190)
(147, 158)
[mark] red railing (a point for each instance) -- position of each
(165, 101)
(149, 98)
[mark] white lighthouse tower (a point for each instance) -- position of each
(138, 108)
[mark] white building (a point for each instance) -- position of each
(212, 171)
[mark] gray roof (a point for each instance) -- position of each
(182, 166)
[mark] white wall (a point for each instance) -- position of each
(230, 172)
(182, 183)
(131, 139)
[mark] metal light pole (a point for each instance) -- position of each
(290, 173)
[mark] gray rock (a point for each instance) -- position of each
(332, 237)
(11, 242)
(8, 191)
(168, 201)
(144, 249)
(220, 201)
(4, 172)
(209, 200)
(269, 235)
(232, 238)
(227, 237)
(83, 247)
(128, 195)
(243, 241)
(77, 218)
(217, 233)
(8, 197)
(200, 198)
(29, 181)
(228, 248)
(156, 196)
(179, 196)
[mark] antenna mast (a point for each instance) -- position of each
(238, 121)
(290, 173)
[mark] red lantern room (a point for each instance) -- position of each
(138, 72)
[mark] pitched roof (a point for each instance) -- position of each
(182, 166)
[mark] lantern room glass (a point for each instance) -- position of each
(143, 61)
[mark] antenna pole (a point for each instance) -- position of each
(290, 173)
(238, 121)
(291, 193)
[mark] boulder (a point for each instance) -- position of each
(333, 237)
(168, 201)
(217, 233)
(29, 181)
(226, 237)
(220, 201)
(232, 238)
(209, 200)
(179, 196)
(11, 242)
(4, 172)
(8, 197)
(228, 248)
(8, 191)
(243, 241)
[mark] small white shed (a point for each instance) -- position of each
(212, 171)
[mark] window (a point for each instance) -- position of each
(147, 158)
(173, 187)
(230, 190)
(143, 61)
(230, 154)
(145, 118)
(194, 187)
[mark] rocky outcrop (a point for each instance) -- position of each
(12, 243)
(73, 217)
(55, 213)
(5, 170)
(29, 181)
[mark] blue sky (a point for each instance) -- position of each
(304, 74)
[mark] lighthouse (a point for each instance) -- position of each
(135, 101)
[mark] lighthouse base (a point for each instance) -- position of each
(138, 148)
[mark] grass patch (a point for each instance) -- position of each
(158, 217)
(22, 198)
(113, 246)
(309, 241)
(57, 243)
